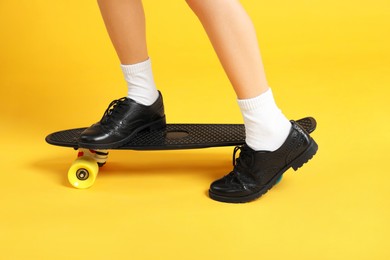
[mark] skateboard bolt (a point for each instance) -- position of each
(82, 174)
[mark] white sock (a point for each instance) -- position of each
(266, 127)
(140, 82)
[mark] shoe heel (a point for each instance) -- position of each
(158, 125)
(305, 156)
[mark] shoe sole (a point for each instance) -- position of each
(154, 126)
(295, 164)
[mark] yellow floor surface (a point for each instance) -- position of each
(329, 60)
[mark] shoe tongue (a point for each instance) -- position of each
(246, 156)
(115, 109)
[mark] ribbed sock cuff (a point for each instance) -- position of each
(256, 102)
(133, 69)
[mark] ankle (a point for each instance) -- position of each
(140, 82)
(266, 127)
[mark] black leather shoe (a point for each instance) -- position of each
(121, 121)
(255, 172)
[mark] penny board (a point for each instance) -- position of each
(176, 136)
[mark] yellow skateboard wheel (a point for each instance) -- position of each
(83, 172)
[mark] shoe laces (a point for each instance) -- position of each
(242, 164)
(114, 110)
(246, 158)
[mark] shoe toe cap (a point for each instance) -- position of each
(229, 186)
(93, 134)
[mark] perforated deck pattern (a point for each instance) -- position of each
(177, 136)
(308, 123)
(190, 136)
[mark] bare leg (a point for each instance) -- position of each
(143, 107)
(271, 140)
(125, 23)
(233, 37)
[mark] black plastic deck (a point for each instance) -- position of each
(176, 136)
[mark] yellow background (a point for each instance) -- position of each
(328, 59)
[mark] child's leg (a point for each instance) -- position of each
(234, 39)
(273, 144)
(143, 108)
(125, 23)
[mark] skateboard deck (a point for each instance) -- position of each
(83, 171)
(176, 136)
